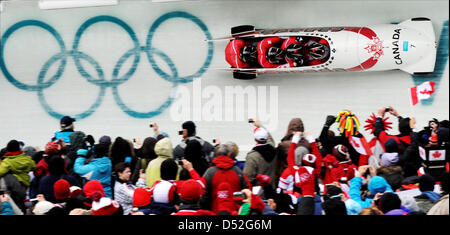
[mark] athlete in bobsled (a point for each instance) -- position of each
(306, 52)
(277, 52)
(241, 54)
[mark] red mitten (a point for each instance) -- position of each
(263, 180)
(257, 204)
(225, 198)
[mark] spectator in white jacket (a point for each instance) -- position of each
(123, 188)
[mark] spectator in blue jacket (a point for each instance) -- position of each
(97, 167)
(377, 184)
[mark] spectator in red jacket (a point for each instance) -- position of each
(302, 174)
(405, 126)
(345, 170)
(223, 170)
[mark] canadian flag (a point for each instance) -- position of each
(421, 92)
(360, 145)
(437, 155)
(375, 145)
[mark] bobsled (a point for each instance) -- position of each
(409, 46)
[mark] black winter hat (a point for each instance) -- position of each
(390, 201)
(190, 127)
(426, 183)
(391, 145)
(13, 146)
(169, 169)
(284, 203)
(100, 150)
(332, 190)
(334, 206)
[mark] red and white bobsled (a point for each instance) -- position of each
(409, 46)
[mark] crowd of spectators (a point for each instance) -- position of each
(303, 174)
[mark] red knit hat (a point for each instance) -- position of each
(341, 153)
(51, 148)
(61, 189)
(191, 190)
(93, 186)
(141, 197)
(105, 206)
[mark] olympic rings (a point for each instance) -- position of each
(178, 14)
(100, 80)
(6, 72)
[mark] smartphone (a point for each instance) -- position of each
(180, 132)
(180, 162)
(387, 109)
(239, 195)
(250, 120)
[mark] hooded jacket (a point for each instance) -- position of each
(18, 165)
(260, 160)
(163, 149)
(97, 169)
(224, 170)
(376, 185)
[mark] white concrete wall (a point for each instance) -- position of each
(179, 47)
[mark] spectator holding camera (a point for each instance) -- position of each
(261, 159)
(377, 184)
(405, 127)
(95, 167)
(189, 132)
(329, 140)
(123, 188)
(405, 144)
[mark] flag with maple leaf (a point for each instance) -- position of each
(421, 92)
(437, 155)
(360, 145)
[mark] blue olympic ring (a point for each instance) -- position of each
(99, 80)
